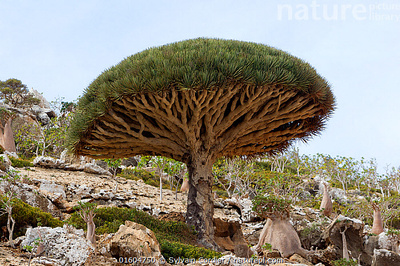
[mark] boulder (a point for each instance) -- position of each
(300, 260)
(43, 102)
(102, 164)
(354, 236)
(95, 169)
(73, 167)
(339, 195)
(244, 207)
(47, 162)
(135, 240)
(229, 236)
(384, 257)
(103, 195)
(54, 192)
(30, 195)
(131, 161)
(381, 241)
(79, 191)
(43, 115)
(66, 245)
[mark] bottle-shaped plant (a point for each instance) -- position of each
(278, 231)
(87, 212)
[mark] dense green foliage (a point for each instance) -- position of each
(271, 206)
(176, 238)
(15, 93)
(178, 250)
(26, 215)
(19, 163)
(345, 262)
(198, 64)
(149, 178)
(33, 139)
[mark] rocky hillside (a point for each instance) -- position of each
(56, 187)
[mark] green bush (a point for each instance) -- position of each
(26, 215)
(1, 149)
(345, 262)
(19, 163)
(178, 250)
(271, 205)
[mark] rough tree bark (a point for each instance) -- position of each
(200, 207)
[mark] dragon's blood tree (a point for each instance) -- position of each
(197, 100)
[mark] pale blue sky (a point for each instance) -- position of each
(59, 47)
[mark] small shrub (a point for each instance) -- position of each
(222, 193)
(345, 262)
(267, 246)
(19, 163)
(178, 250)
(26, 215)
(271, 206)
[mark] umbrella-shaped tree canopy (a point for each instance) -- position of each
(197, 100)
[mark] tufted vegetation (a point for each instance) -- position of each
(200, 65)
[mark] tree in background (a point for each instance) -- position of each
(196, 101)
(113, 166)
(34, 139)
(7, 201)
(237, 176)
(15, 95)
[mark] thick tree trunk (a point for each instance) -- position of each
(7, 137)
(200, 208)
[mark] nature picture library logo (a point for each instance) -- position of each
(331, 11)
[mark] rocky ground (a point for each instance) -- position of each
(58, 191)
